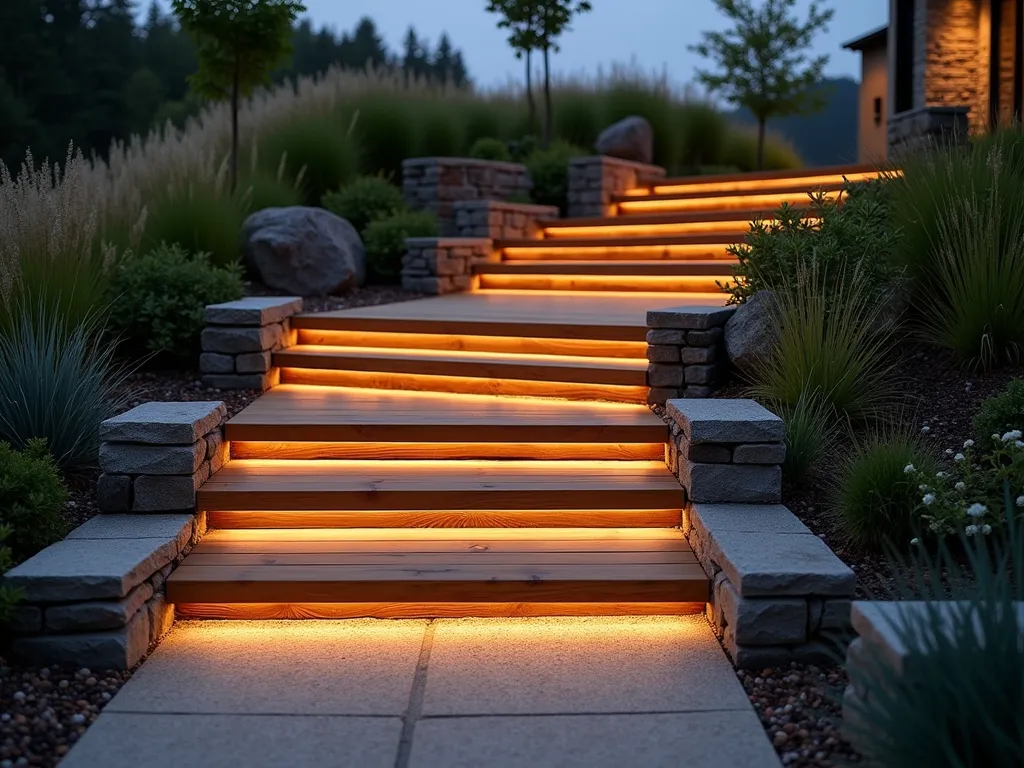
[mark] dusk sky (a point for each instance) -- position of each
(654, 33)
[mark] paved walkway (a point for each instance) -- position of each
(590, 692)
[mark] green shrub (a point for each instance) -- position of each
(9, 596)
(1001, 413)
(876, 497)
(740, 150)
(385, 242)
(385, 134)
(700, 130)
(482, 120)
(315, 153)
(490, 149)
(826, 238)
(439, 133)
(958, 698)
(520, 149)
(364, 200)
(160, 300)
(831, 341)
(200, 219)
(811, 436)
(58, 383)
(961, 215)
(32, 498)
(577, 118)
(261, 190)
(549, 170)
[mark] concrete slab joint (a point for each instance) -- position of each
(686, 352)
(240, 338)
(441, 265)
(778, 593)
(96, 599)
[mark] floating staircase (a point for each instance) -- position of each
(487, 453)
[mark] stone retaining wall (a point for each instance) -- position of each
(594, 180)
(440, 265)
(925, 128)
(778, 593)
(96, 599)
(240, 339)
(501, 220)
(686, 352)
(436, 184)
(155, 456)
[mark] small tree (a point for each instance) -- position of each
(762, 61)
(238, 43)
(517, 16)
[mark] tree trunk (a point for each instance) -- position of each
(548, 117)
(531, 103)
(761, 123)
(234, 130)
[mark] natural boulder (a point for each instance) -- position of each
(629, 139)
(303, 251)
(749, 332)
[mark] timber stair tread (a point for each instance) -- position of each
(694, 267)
(800, 175)
(301, 485)
(800, 191)
(290, 413)
(437, 566)
(681, 217)
(624, 241)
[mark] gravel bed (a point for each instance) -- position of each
(366, 296)
(44, 711)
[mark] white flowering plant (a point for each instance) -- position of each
(968, 498)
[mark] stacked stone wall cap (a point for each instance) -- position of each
(164, 423)
(687, 318)
(726, 421)
(254, 310)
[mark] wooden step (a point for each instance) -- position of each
(627, 248)
(301, 422)
(765, 180)
(628, 206)
(653, 242)
(438, 573)
(729, 221)
(672, 276)
(295, 486)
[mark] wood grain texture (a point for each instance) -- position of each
(272, 485)
(279, 611)
(457, 451)
(662, 268)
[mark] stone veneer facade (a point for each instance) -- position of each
(96, 599)
(240, 339)
(595, 180)
(436, 184)
(500, 220)
(441, 265)
(685, 352)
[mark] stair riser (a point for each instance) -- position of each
(471, 343)
(738, 226)
(715, 204)
(419, 518)
(545, 451)
(630, 283)
(671, 253)
(279, 611)
(763, 185)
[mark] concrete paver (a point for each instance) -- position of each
(578, 665)
(124, 740)
(731, 739)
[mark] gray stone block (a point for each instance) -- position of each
(828, 615)
(259, 381)
(698, 390)
(217, 451)
(765, 621)
(177, 527)
(736, 483)
(661, 395)
(118, 649)
(253, 310)
(113, 492)
(727, 421)
(235, 341)
(25, 620)
(706, 338)
(666, 336)
(164, 423)
(703, 374)
(663, 375)
(253, 362)
(689, 318)
(742, 518)
(765, 565)
(166, 493)
(709, 454)
(132, 459)
(214, 362)
(90, 569)
(662, 354)
(759, 453)
(89, 616)
(698, 355)
(161, 616)
(755, 656)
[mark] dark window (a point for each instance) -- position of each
(904, 75)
